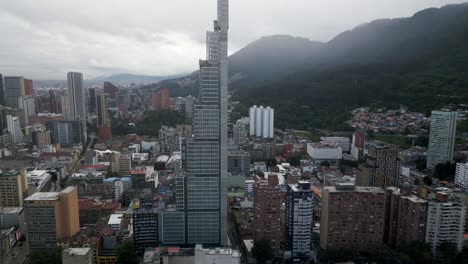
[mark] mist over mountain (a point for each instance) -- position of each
(420, 61)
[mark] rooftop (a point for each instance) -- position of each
(44, 196)
(77, 251)
(10, 210)
(115, 219)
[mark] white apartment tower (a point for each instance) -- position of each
(461, 177)
(261, 122)
(441, 138)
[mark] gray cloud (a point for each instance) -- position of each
(45, 39)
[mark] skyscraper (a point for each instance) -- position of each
(77, 100)
(14, 88)
(13, 185)
(28, 87)
(14, 127)
(92, 100)
(299, 220)
(55, 105)
(202, 187)
(441, 138)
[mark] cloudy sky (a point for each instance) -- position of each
(45, 39)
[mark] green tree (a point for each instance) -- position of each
(414, 252)
(325, 163)
(126, 253)
(449, 253)
(428, 180)
(262, 251)
(445, 171)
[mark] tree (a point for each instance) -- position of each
(325, 163)
(262, 251)
(126, 253)
(445, 171)
(414, 252)
(428, 180)
(449, 253)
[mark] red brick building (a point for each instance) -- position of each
(267, 211)
(161, 100)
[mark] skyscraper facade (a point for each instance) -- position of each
(55, 105)
(92, 100)
(441, 138)
(2, 91)
(28, 87)
(202, 187)
(14, 88)
(77, 100)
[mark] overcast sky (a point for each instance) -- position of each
(47, 38)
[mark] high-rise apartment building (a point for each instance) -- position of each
(51, 216)
(13, 185)
(14, 88)
(145, 229)
(267, 211)
(125, 165)
(28, 105)
(299, 220)
(111, 90)
(161, 100)
(55, 105)
(461, 177)
(14, 127)
(441, 138)
(41, 138)
(351, 217)
(65, 106)
(76, 95)
(103, 121)
(445, 223)
(201, 189)
(405, 216)
(261, 121)
(28, 87)
(381, 167)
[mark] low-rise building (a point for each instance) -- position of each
(77, 256)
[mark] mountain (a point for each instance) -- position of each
(420, 61)
(127, 78)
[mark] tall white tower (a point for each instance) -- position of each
(441, 138)
(252, 120)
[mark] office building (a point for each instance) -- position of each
(461, 177)
(14, 127)
(358, 144)
(28, 105)
(65, 106)
(445, 222)
(352, 218)
(405, 216)
(441, 138)
(55, 105)
(380, 168)
(320, 152)
(205, 154)
(103, 120)
(13, 187)
(76, 94)
(299, 220)
(51, 216)
(124, 165)
(261, 122)
(77, 256)
(238, 162)
(111, 90)
(92, 100)
(28, 87)
(342, 142)
(145, 229)
(267, 211)
(13, 89)
(65, 133)
(216, 255)
(189, 102)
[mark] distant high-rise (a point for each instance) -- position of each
(14, 88)
(299, 220)
(14, 127)
(55, 105)
(51, 216)
(65, 106)
(441, 138)
(352, 218)
(145, 229)
(201, 193)
(461, 177)
(161, 100)
(2, 91)
(64, 132)
(28, 87)
(92, 100)
(111, 90)
(267, 211)
(77, 101)
(101, 109)
(28, 105)
(381, 167)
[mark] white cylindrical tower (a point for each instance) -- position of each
(271, 125)
(258, 121)
(265, 122)
(252, 120)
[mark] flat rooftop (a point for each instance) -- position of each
(77, 251)
(44, 196)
